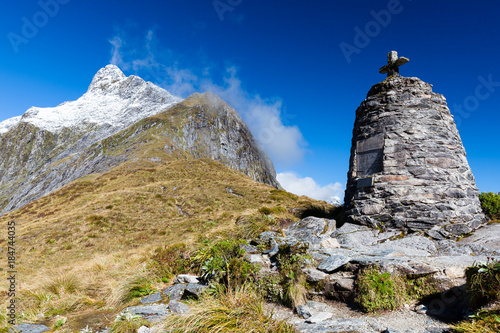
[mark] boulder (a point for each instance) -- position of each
(175, 292)
(314, 275)
(194, 290)
(303, 311)
(178, 307)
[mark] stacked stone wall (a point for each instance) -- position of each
(408, 167)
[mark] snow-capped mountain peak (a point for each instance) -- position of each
(113, 101)
(106, 76)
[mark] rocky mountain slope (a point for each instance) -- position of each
(117, 119)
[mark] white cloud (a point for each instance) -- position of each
(265, 117)
(285, 144)
(116, 58)
(308, 187)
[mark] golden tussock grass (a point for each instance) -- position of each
(80, 248)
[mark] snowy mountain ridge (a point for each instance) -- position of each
(112, 100)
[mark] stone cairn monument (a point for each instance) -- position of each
(408, 168)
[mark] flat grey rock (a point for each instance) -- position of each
(178, 307)
(355, 236)
(303, 311)
(153, 298)
(153, 312)
(335, 325)
(314, 275)
(412, 246)
(330, 264)
(311, 230)
(175, 292)
(487, 236)
(319, 317)
(187, 278)
(319, 307)
(31, 328)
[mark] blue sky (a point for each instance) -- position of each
(282, 64)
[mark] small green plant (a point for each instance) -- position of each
(484, 321)
(490, 202)
(138, 288)
(61, 321)
(127, 322)
(483, 283)
(379, 291)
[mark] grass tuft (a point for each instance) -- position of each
(237, 311)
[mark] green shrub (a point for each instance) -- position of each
(170, 261)
(270, 287)
(418, 287)
(222, 262)
(490, 202)
(379, 291)
(291, 259)
(483, 283)
(265, 210)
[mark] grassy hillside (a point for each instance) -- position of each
(83, 249)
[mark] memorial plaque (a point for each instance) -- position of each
(374, 143)
(369, 156)
(364, 182)
(370, 163)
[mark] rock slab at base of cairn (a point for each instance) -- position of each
(408, 168)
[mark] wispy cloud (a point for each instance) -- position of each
(266, 117)
(307, 186)
(116, 57)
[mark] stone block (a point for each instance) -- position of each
(330, 264)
